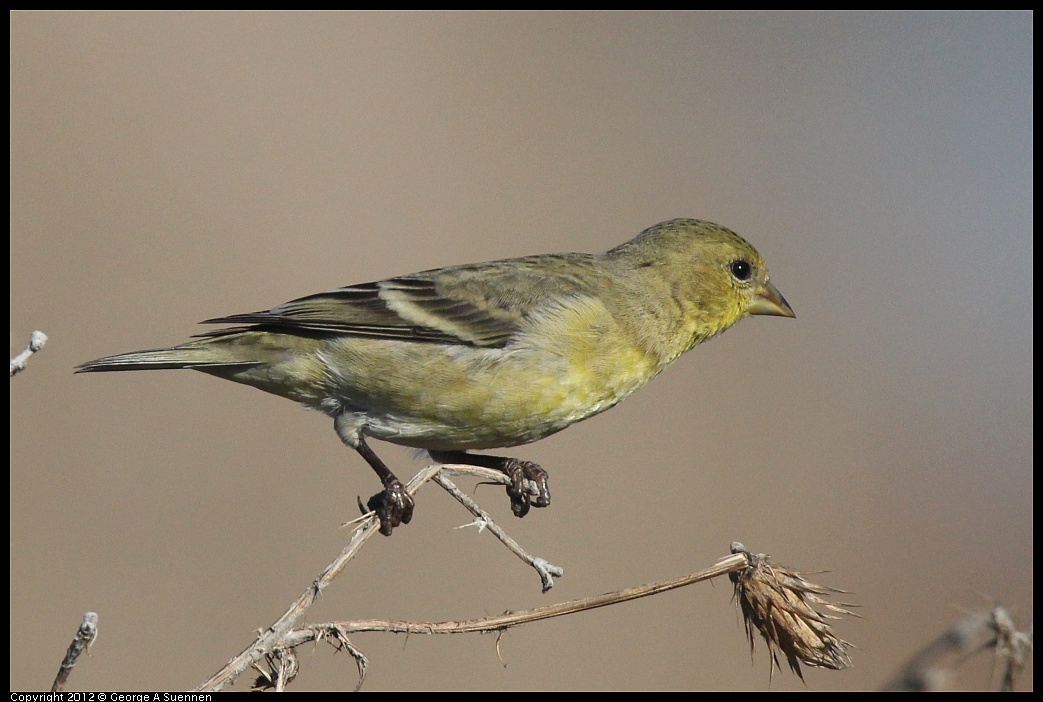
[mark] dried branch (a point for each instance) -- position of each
(318, 632)
(992, 630)
(338, 632)
(85, 636)
(755, 577)
(36, 341)
(271, 641)
(777, 602)
(546, 570)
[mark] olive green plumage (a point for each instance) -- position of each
(487, 355)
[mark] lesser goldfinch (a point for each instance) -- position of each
(486, 355)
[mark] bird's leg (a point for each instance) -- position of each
(528, 480)
(394, 505)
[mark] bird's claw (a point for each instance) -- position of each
(528, 486)
(394, 506)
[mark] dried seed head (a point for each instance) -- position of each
(780, 604)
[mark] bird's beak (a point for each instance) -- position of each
(769, 300)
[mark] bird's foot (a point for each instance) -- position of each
(528, 485)
(394, 506)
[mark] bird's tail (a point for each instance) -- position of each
(199, 355)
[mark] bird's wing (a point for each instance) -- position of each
(477, 305)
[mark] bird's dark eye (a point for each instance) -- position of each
(742, 270)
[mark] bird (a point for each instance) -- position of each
(485, 355)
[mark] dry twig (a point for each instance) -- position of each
(992, 630)
(85, 636)
(270, 643)
(757, 580)
(36, 341)
(777, 602)
(547, 571)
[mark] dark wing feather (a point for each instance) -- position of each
(478, 305)
(413, 308)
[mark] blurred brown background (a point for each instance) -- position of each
(167, 168)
